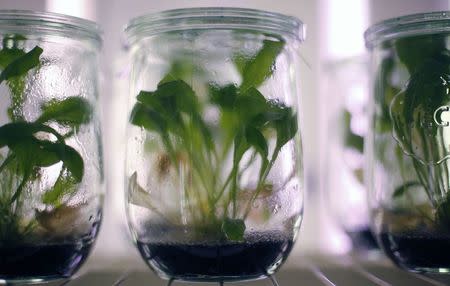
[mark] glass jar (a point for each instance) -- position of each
(50, 151)
(346, 112)
(213, 153)
(408, 145)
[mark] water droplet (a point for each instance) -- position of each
(276, 208)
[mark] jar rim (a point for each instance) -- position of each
(409, 25)
(214, 18)
(18, 21)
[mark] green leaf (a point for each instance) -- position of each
(9, 55)
(258, 69)
(240, 147)
(286, 127)
(30, 151)
(167, 78)
(11, 59)
(200, 125)
(42, 153)
(65, 184)
(224, 97)
(413, 51)
(240, 61)
(12, 133)
(180, 70)
(10, 51)
(425, 90)
(150, 100)
(169, 100)
(20, 66)
(400, 191)
(161, 111)
(352, 140)
(233, 229)
(250, 104)
(72, 160)
(147, 118)
(255, 138)
(72, 111)
(185, 98)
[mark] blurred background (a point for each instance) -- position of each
(335, 86)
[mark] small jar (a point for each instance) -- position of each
(213, 155)
(346, 117)
(51, 173)
(408, 143)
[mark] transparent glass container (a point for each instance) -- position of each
(347, 82)
(408, 143)
(50, 151)
(214, 170)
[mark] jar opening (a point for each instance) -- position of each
(23, 21)
(215, 18)
(410, 25)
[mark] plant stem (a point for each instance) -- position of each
(222, 190)
(262, 179)
(26, 176)
(6, 161)
(232, 193)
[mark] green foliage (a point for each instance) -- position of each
(351, 139)
(255, 138)
(233, 229)
(8, 55)
(427, 60)
(21, 65)
(224, 97)
(34, 145)
(425, 92)
(12, 229)
(32, 152)
(414, 51)
(247, 122)
(15, 64)
(256, 70)
(65, 184)
(70, 112)
(286, 126)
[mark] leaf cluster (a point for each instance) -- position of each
(427, 60)
(174, 111)
(34, 145)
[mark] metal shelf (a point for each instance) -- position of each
(324, 271)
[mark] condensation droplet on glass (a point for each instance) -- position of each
(276, 208)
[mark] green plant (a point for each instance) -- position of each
(408, 113)
(247, 122)
(33, 145)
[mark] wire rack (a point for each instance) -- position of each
(324, 271)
